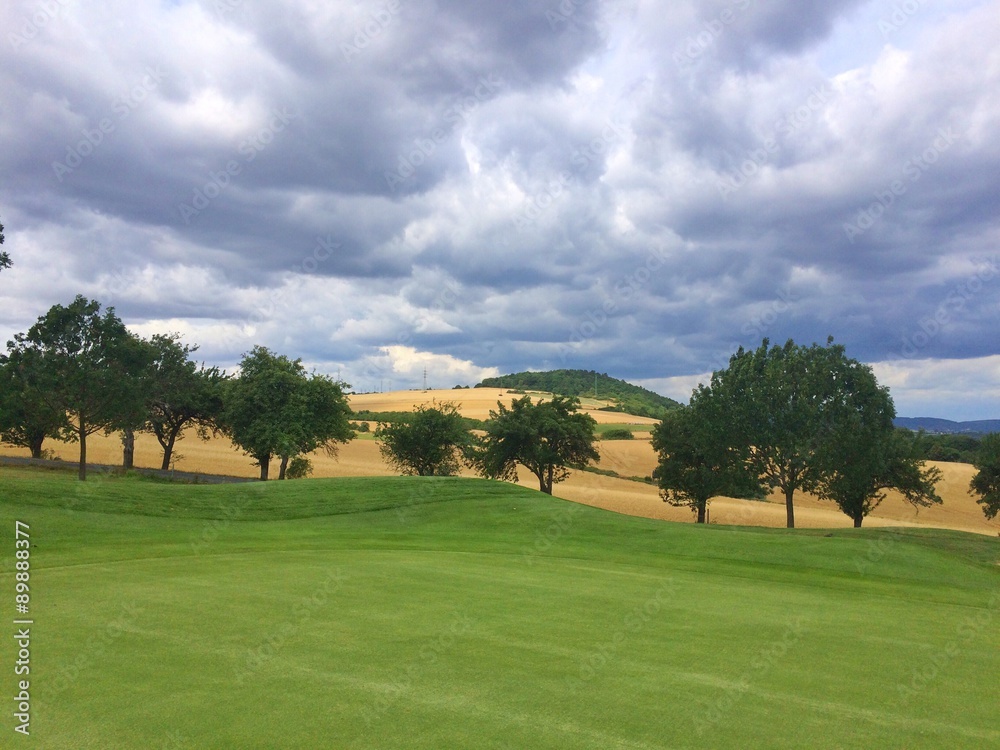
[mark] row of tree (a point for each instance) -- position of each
(78, 371)
(801, 418)
(545, 437)
(790, 417)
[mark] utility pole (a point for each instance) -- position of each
(425, 379)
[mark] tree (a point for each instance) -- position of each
(275, 409)
(694, 464)
(777, 405)
(84, 365)
(180, 394)
(986, 482)
(429, 443)
(862, 460)
(4, 258)
(26, 419)
(545, 438)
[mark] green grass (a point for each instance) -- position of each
(461, 613)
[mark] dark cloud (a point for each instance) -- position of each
(386, 186)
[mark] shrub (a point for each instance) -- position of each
(618, 434)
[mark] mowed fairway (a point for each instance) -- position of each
(461, 613)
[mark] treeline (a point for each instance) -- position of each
(78, 371)
(629, 398)
(957, 448)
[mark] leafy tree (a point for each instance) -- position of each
(180, 394)
(779, 404)
(4, 258)
(544, 437)
(429, 444)
(84, 365)
(275, 409)
(862, 460)
(695, 465)
(986, 482)
(26, 419)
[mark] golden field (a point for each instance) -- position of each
(626, 457)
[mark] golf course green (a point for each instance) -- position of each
(462, 613)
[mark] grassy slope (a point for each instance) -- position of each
(463, 613)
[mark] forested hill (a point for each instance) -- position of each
(631, 399)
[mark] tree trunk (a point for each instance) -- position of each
(128, 449)
(83, 452)
(35, 445)
(168, 451)
(282, 467)
(265, 465)
(701, 512)
(857, 521)
(789, 508)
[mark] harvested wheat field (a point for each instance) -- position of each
(476, 403)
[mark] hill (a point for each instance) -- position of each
(947, 426)
(628, 398)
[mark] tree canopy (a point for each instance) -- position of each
(695, 463)
(82, 364)
(273, 408)
(180, 394)
(4, 258)
(430, 442)
(545, 437)
(26, 417)
(986, 482)
(811, 419)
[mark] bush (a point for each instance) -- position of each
(299, 468)
(618, 434)
(360, 426)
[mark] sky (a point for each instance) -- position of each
(476, 188)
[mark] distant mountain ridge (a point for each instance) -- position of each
(630, 398)
(948, 426)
